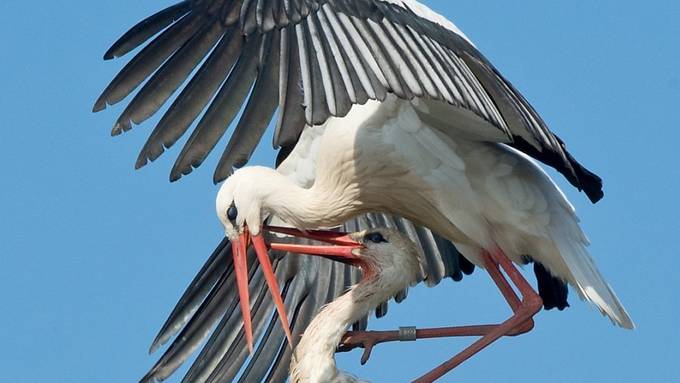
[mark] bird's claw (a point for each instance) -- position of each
(363, 339)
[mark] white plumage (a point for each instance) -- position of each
(387, 107)
(394, 266)
(383, 157)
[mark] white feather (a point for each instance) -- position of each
(425, 12)
(480, 195)
(394, 266)
(383, 156)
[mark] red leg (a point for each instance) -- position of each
(520, 322)
(491, 263)
(368, 339)
(503, 285)
(531, 303)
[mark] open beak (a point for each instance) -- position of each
(341, 248)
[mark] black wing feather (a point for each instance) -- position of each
(145, 63)
(146, 28)
(222, 111)
(408, 55)
(193, 99)
(166, 80)
(194, 295)
(291, 113)
(308, 282)
(258, 111)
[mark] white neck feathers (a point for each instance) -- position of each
(313, 360)
(315, 207)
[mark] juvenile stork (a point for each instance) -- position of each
(390, 263)
(415, 120)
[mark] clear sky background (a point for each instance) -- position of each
(94, 255)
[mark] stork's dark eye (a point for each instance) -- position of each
(375, 237)
(232, 212)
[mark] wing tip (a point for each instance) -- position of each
(174, 177)
(160, 340)
(111, 54)
(223, 171)
(182, 167)
(595, 196)
(150, 377)
(150, 153)
(116, 49)
(99, 105)
(590, 183)
(122, 125)
(142, 160)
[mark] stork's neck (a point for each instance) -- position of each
(314, 357)
(309, 208)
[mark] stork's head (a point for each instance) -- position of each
(240, 208)
(240, 201)
(380, 253)
(386, 253)
(242, 205)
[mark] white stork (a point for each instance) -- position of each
(383, 105)
(390, 263)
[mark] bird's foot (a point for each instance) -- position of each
(364, 339)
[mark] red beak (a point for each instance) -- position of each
(341, 249)
(238, 250)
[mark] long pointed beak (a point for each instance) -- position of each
(239, 252)
(338, 253)
(328, 236)
(342, 248)
(265, 263)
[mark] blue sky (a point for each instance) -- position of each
(93, 254)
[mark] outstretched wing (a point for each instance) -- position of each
(308, 60)
(307, 282)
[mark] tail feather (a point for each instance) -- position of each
(590, 283)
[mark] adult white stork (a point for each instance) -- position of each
(344, 64)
